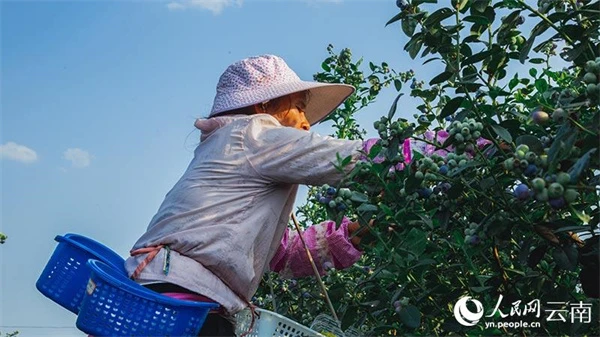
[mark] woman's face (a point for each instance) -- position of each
(291, 112)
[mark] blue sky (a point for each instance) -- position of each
(98, 101)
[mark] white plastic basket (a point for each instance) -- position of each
(270, 324)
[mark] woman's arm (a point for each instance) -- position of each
(329, 247)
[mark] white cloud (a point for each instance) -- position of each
(79, 158)
(215, 6)
(16, 152)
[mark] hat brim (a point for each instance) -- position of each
(324, 97)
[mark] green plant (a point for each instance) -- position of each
(498, 199)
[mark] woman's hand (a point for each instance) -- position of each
(356, 232)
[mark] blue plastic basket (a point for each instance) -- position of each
(114, 305)
(66, 274)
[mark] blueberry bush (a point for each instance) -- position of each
(490, 191)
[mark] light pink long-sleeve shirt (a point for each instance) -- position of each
(225, 218)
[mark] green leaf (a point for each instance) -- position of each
(536, 256)
(481, 289)
(408, 26)
(410, 316)
(533, 72)
(441, 77)
(537, 61)
(486, 183)
(534, 143)
(541, 85)
(398, 84)
(359, 197)
(580, 165)
(476, 57)
(452, 106)
(414, 46)
(393, 107)
(480, 5)
(395, 18)
(565, 258)
(438, 16)
(502, 132)
(461, 4)
(582, 216)
(431, 59)
(482, 20)
(416, 241)
(513, 83)
(537, 30)
(367, 208)
(564, 135)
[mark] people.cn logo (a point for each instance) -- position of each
(463, 315)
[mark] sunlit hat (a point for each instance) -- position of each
(258, 79)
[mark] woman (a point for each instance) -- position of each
(224, 222)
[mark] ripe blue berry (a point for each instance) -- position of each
(424, 192)
(401, 4)
(557, 203)
(445, 187)
(474, 240)
(331, 191)
(530, 170)
(522, 192)
(443, 169)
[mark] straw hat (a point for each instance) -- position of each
(261, 78)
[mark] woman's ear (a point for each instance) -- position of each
(257, 109)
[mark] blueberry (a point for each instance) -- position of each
(449, 118)
(563, 178)
(443, 169)
(555, 190)
(341, 207)
(445, 187)
(474, 240)
(530, 170)
(424, 192)
(557, 203)
(538, 184)
(331, 190)
(402, 4)
(571, 195)
(540, 117)
(522, 192)
(324, 200)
